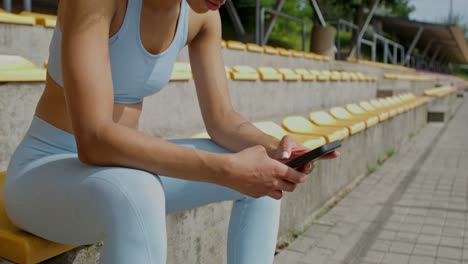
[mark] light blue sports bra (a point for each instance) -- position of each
(136, 73)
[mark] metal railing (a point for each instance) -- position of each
(263, 39)
(27, 6)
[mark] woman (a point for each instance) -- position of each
(84, 173)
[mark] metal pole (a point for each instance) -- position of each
(238, 27)
(385, 52)
(257, 23)
(395, 54)
(318, 12)
(7, 5)
(435, 55)
(374, 49)
(363, 29)
(27, 6)
(426, 50)
(413, 44)
(271, 23)
(451, 13)
(338, 40)
(269, 10)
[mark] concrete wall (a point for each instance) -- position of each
(31, 42)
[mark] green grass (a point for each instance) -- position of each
(390, 153)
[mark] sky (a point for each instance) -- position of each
(437, 10)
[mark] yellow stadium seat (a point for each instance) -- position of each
(380, 106)
(324, 119)
(271, 50)
(19, 69)
(269, 74)
(244, 73)
(278, 132)
(223, 43)
(22, 247)
(321, 75)
(255, 48)
(9, 18)
(289, 74)
(237, 45)
(353, 76)
(228, 72)
(383, 114)
(284, 52)
(181, 72)
(335, 76)
(339, 113)
(297, 53)
(311, 55)
(305, 74)
(41, 19)
(359, 111)
(300, 125)
(345, 76)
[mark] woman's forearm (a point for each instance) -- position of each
(117, 145)
(237, 133)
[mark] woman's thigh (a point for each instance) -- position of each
(61, 199)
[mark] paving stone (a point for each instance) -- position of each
(431, 230)
(316, 255)
(425, 250)
(421, 260)
(373, 257)
(381, 245)
(392, 258)
(451, 242)
(302, 244)
(428, 239)
(401, 247)
(288, 256)
(406, 237)
(448, 252)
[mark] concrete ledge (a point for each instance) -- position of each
(199, 235)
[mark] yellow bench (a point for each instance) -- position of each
(269, 74)
(289, 74)
(41, 19)
(18, 69)
(9, 18)
(300, 125)
(271, 128)
(181, 72)
(339, 113)
(237, 45)
(20, 246)
(321, 118)
(244, 73)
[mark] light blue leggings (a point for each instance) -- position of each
(51, 194)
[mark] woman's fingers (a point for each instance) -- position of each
(307, 168)
(285, 147)
(331, 155)
(276, 194)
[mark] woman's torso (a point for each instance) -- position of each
(154, 42)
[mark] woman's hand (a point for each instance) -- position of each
(254, 173)
(289, 149)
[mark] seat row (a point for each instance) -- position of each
(28, 18)
(440, 91)
(390, 76)
(18, 69)
(182, 71)
(338, 123)
(381, 65)
(251, 47)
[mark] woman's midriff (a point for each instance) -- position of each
(53, 109)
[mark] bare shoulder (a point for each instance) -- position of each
(209, 22)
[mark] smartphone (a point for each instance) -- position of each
(314, 154)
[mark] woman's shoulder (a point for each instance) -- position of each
(200, 22)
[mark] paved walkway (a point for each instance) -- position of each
(412, 210)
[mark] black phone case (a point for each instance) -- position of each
(314, 154)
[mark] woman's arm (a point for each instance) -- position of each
(225, 126)
(89, 96)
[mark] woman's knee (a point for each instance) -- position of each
(124, 193)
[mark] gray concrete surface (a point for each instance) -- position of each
(413, 209)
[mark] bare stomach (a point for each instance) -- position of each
(53, 109)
